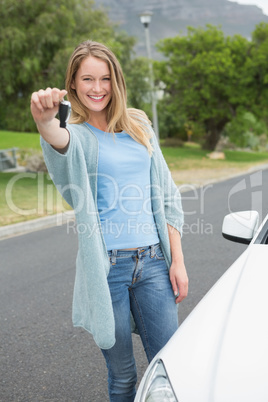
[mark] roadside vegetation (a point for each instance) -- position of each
(20, 140)
(208, 84)
(29, 195)
(192, 156)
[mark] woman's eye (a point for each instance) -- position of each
(107, 79)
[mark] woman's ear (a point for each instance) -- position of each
(73, 85)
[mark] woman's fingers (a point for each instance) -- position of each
(179, 281)
(35, 101)
(63, 93)
(57, 95)
(48, 99)
(45, 103)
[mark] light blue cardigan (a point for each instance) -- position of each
(75, 175)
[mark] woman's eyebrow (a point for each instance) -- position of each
(90, 75)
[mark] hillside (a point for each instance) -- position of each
(171, 17)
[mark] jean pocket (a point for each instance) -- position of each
(159, 253)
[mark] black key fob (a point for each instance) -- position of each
(64, 112)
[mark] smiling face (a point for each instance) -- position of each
(93, 85)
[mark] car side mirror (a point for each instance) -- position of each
(240, 226)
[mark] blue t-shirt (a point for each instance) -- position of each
(124, 191)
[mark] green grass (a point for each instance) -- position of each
(186, 152)
(248, 157)
(10, 139)
(25, 196)
(191, 151)
(191, 156)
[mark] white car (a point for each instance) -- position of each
(220, 352)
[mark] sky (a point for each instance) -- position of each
(263, 4)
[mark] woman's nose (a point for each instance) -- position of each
(97, 86)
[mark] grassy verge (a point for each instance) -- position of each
(27, 144)
(25, 196)
(10, 139)
(191, 156)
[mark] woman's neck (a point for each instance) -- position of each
(99, 122)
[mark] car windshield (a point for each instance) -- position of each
(262, 237)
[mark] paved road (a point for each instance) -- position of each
(42, 357)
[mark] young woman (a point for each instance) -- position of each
(108, 166)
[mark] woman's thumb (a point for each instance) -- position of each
(63, 93)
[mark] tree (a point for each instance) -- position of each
(205, 78)
(258, 71)
(36, 41)
(246, 131)
(136, 71)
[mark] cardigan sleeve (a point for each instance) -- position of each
(58, 166)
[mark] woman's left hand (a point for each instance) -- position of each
(179, 280)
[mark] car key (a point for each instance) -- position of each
(64, 112)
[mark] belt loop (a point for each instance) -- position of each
(113, 259)
(152, 247)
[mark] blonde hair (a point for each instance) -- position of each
(119, 117)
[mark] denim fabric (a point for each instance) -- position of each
(139, 282)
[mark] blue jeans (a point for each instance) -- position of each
(139, 283)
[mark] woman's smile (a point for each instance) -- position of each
(97, 98)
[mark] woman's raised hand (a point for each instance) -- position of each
(44, 107)
(45, 104)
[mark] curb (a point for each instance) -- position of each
(21, 228)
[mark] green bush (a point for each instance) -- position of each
(246, 131)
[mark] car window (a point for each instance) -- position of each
(262, 237)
